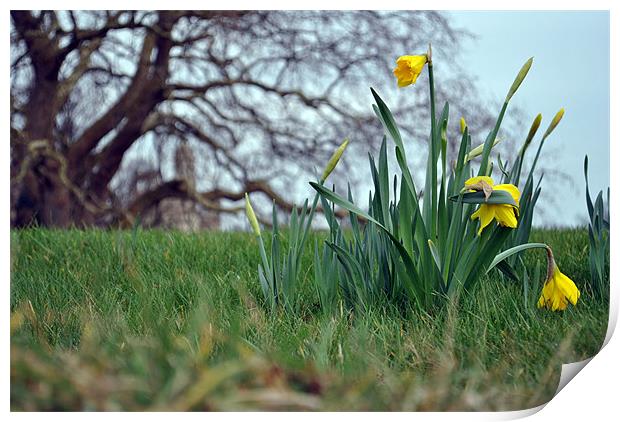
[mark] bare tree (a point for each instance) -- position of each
(260, 96)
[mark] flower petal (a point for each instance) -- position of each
(557, 292)
(486, 214)
(476, 179)
(566, 286)
(505, 215)
(511, 189)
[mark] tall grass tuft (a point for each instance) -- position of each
(598, 232)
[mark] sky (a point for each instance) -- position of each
(570, 70)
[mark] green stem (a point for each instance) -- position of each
(488, 144)
(519, 169)
(542, 141)
(433, 154)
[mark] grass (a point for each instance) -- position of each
(109, 320)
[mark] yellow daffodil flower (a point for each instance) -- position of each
(505, 214)
(558, 289)
(408, 68)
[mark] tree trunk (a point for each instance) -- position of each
(43, 198)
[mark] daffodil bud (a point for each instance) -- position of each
(520, 77)
(532, 132)
(478, 150)
(463, 125)
(556, 120)
(251, 216)
(333, 161)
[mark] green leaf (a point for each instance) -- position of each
(402, 163)
(344, 203)
(353, 269)
(384, 184)
(263, 283)
(497, 197)
(385, 115)
(508, 270)
(435, 254)
(588, 198)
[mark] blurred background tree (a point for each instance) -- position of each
(170, 116)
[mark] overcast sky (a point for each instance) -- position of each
(571, 70)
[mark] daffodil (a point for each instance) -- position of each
(408, 68)
(505, 214)
(558, 289)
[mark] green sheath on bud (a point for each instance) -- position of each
(522, 74)
(556, 120)
(478, 150)
(532, 132)
(333, 161)
(251, 216)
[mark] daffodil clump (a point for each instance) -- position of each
(418, 250)
(279, 272)
(598, 234)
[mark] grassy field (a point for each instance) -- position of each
(108, 320)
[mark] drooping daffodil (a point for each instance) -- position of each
(558, 289)
(505, 214)
(408, 68)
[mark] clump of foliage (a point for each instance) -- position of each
(598, 232)
(419, 249)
